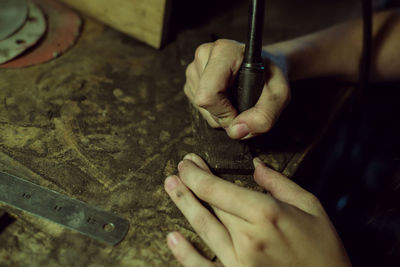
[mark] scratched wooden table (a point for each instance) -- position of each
(106, 123)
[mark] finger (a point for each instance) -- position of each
(217, 77)
(211, 94)
(203, 222)
(192, 73)
(185, 253)
(198, 161)
(202, 56)
(283, 189)
(219, 193)
(204, 113)
(192, 78)
(261, 118)
(187, 89)
(210, 119)
(229, 220)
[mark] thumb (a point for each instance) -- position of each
(253, 122)
(262, 117)
(284, 189)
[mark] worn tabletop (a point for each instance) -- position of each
(105, 123)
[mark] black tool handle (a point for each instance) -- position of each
(251, 74)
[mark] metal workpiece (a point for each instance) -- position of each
(13, 14)
(58, 208)
(63, 27)
(28, 35)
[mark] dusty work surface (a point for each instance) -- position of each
(106, 123)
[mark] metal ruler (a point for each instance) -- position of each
(72, 213)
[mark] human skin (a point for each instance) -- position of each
(213, 72)
(335, 52)
(286, 227)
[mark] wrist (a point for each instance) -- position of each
(297, 55)
(279, 59)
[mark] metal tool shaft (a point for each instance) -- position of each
(253, 50)
(251, 74)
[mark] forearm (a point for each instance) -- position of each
(337, 51)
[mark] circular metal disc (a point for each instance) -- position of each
(27, 36)
(63, 29)
(13, 14)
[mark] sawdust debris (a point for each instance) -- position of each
(170, 168)
(121, 96)
(189, 141)
(164, 136)
(39, 147)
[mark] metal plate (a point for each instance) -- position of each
(74, 214)
(13, 14)
(27, 36)
(63, 29)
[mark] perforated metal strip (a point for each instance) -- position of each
(72, 213)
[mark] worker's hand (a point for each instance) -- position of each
(286, 227)
(213, 72)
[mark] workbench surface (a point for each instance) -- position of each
(106, 123)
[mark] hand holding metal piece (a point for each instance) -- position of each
(225, 155)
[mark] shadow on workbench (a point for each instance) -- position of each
(190, 14)
(314, 107)
(5, 220)
(309, 109)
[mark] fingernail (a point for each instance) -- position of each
(180, 165)
(172, 239)
(225, 121)
(256, 162)
(238, 131)
(247, 136)
(171, 182)
(188, 156)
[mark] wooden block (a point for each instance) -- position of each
(145, 20)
